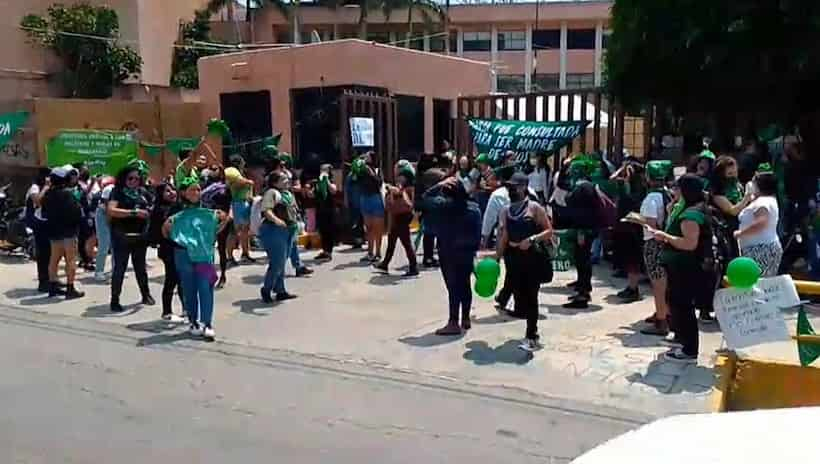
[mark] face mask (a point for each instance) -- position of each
(516, 195)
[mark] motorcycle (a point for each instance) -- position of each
(15, 235)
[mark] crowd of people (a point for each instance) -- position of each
(679, 232)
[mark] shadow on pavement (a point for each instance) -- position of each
(636, 339)
(255, 279)
(671, 378)
(482, 354)
(503, 318)
(250, 306)
(20, 293)
(164, 338)
(387, 279)
(104, 310)
(42, 300)
(616, 301)
(352, 265)
(158, 326)
(558, 309)
(430, 340)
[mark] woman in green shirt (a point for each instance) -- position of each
(728, 198)
(687, 240)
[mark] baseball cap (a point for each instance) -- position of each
(518, 179)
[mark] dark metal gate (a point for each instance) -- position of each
(605, 133)
(382, 108)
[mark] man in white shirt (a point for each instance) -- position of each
(499, 199)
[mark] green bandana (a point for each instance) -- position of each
(483, 158)
(218, 127)
(132, 194)
(140, 166)
(658, 169)
(732, 191)
(287, 197)
(765, 167)
(358, 167)
(323, 187)
(707, 154)
(286, 158)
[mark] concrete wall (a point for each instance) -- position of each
(401, 71)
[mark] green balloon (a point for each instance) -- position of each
(487, 268)
(485, 288)
(743, 272)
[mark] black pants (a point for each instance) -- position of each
(456, 268)
(43, 250)
(428, 244)
(326, 224)
(525, 285)
(222, 248)
(82, 238)
(400, 231)
(583, 262)
(506, 291)
(122, 251)
(681, 300)
(171, 283)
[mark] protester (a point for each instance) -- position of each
(352, 199)
(372, 205)
(467, 175)
(687, 253)
(289, 197)
(426, 162)
(728, 198)
(456, 221)
(499, 199)
(63, 212)
(128, 210)
(86, 239)
(165, 206)
(194, 230)
(704, 165)
(323, 192)
(524, 224)
(277, 232)
(217, 196)
(400, 200)
(539, 177)
(627, 235)
(241, 196)
(103, 225)
(486, 183)
(582, 213)
(39, 225)
(653, 213)
(757, 232)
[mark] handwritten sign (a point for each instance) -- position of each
(361, 132)
(523, 137)
(752, 317)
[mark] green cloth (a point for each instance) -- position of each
(195, 230)
(323, 187)
(808, 352)
(104, 152)
(140, 166)
(183, 179)
(658, 169)
(765, 167)
(10, 123)
(707, 154)
(732, 192)
(152, 149)
(239, 192)
(290, 202)
(672, 256)
(176, 145)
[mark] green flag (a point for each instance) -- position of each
(496, 137)
(152, 149)
(104, 152)
(176, 145)
(10, 123)
(808, 352)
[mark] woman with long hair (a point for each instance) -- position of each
(653, 213)
(165, 206)
(323, 191)
(728, 198)
(538, 173)
(757, 232)
(62, 211)
(372, 205)
(277, 233)
(686, 256)
(194, 230)
(128, 209)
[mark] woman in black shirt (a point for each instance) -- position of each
(165, 206)
(128, 209)
(63, 213)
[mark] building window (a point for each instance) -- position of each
(417, 41)
(510, 84)
(580, 81)
(581, 39)
(477, 41)
(545, 82)
(453, 41)
(437, 43)
(512, 40)
(548, 39)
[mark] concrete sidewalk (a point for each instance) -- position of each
(348, 313)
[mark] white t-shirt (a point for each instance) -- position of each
(33, 191)
(538, 180)
(747, 216)
(653, 208)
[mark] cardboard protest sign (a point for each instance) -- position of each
(753, 316)
(495, 137)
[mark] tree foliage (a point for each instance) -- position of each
(184, 71)
(717, 56)
(85, 38)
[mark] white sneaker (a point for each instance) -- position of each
(530, 345)
(195, 331)
(209, 333)
(173, 318)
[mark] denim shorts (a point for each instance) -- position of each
(241, 212)
(372, 205)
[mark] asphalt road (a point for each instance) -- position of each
(81, 391)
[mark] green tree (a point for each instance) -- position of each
(721, 57)
(184, 71)
(85, 38)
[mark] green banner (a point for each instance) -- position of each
(104, 152)
(564, 250)
(496, 137)
(807, 352)
(10, 123)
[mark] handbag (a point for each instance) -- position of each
(546, 253)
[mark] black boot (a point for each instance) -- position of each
(72, 293)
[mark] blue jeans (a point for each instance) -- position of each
(295, 259)
(198, 293)
(456, 268)
(103, 239)
(278, 243)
